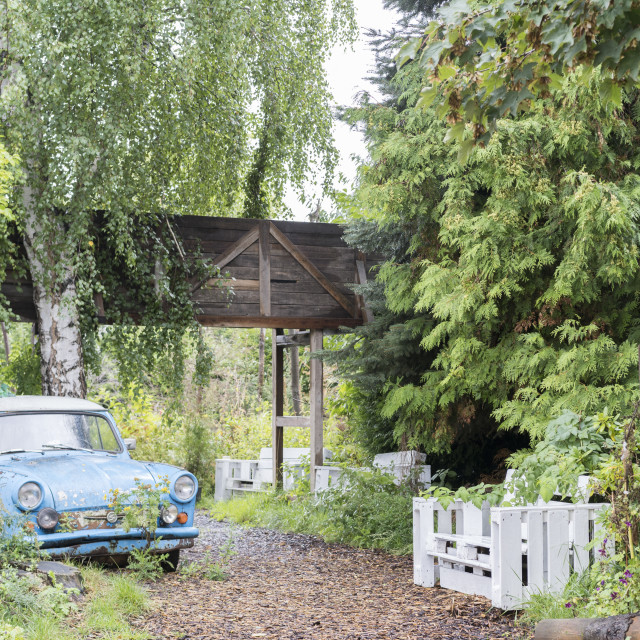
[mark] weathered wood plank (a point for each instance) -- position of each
(293, 421)
(314, 271)
(243, 224)
(286, 273)
(316, 394)
(237, 248)
(265, 269)
(280, 298)
(206, 308)
(284, 260)
(235, 285)
(277, 407)
(212, 248)
(301, 339)
(291, 322)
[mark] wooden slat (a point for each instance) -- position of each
(237, 248)
(323, 302)
(558, 548)
(249, 309)
(265, 269)
(290, 322)
(535, 552)
(293, 421)
(236, 285)
(310, 267)
(214, 247)
(233, 251)
(301, 339)
(245, 270)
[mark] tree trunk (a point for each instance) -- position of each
(295, 378)
(5, 337)
(54, 296)
(261, 363)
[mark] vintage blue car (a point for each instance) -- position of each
(60, 461)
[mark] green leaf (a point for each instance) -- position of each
(445, 72)
(465, 150)
(427, 96)
(408, 51)
(611, 92)
(431, 54)
(455, 133)
(547, 491)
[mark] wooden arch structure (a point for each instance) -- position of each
(278, 275)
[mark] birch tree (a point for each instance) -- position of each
(141, 110)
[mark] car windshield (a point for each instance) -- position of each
(51, 431)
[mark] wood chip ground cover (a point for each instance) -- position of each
(295, 587)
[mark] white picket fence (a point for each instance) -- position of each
(503, 553)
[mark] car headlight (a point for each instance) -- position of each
(29, 495)
(184, 488)
(169, 514)
(48, 519)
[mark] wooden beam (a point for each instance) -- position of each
(315, 400)
(236, 285)
(265, 268)
(232, 252)
(301, 339)
(308, 266)
(272, 322)
(293, 421)
(362, 279)
(277, 407)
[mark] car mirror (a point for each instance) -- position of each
(130, 444)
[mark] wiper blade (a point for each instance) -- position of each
(66, 446)
(20, 451)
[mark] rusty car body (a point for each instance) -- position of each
(61, 459)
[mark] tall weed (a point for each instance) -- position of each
(370, 512)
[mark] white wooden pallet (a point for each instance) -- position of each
(503, 553)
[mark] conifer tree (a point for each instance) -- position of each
(521, 274)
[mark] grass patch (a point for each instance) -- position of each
(115, 598)
(373, 513)
(573, 602)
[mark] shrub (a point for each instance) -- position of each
(371, 513)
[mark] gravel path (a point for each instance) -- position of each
(295, 587)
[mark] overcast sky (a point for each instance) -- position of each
(346, 72)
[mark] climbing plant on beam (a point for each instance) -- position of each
(143, 109)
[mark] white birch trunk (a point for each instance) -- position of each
(54, 296)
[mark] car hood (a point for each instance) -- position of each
(80, 481)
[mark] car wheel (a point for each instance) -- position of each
(170, 563)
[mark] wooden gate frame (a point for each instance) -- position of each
(266, 233)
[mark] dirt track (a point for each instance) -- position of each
(295, 587)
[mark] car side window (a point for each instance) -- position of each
(93, 432)
(101, 435)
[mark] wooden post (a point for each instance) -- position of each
(315, 401)
(277, 408)
(264, 257)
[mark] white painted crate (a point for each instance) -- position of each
(402, 465)
(553, 544)
(235, 477)
(452, 545)
(503, 553)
